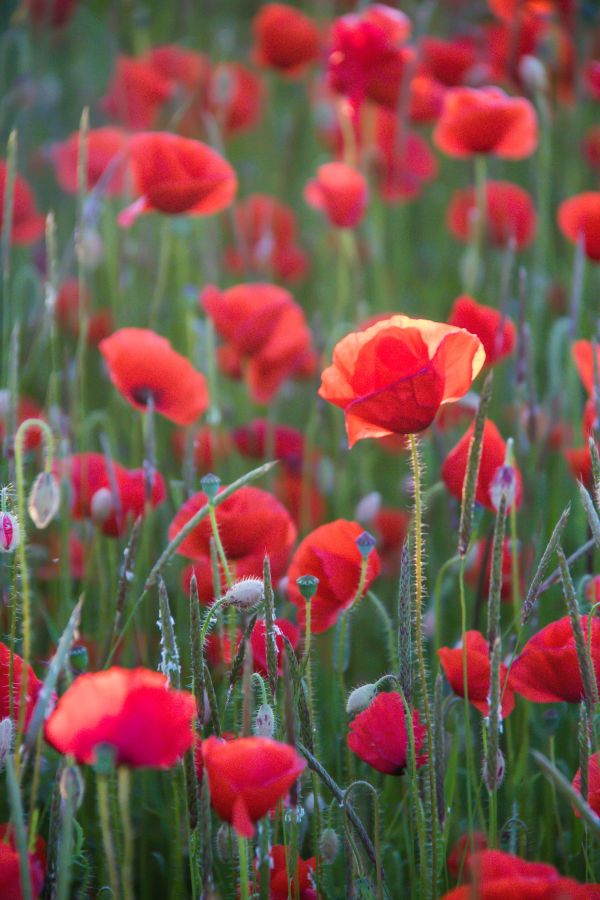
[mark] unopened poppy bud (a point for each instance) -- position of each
(222, 87)
(6, 739)
(360, 698)
(226, 843)
(496, 778)
(79, 659)
(210, 484)
(307, 585)
(504, 484)
(246, 594)
(264, 724)
(9, 533)
(365, 543)
(71, 786)
(101, 505)
(533, 74)
(329, 845)
(44, 499)
(368, 507)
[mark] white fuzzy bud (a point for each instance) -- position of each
(246, 594)
(360, 698)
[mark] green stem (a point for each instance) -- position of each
(219, 544)
(243, 858)
(124, 781)
(107, 835)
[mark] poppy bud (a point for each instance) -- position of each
(264, 724)
(44, 499)
(360, 698)
(533, 74)
(368, 507)
(210, 485)
(496, 779)
(101, 506)
(226, 843)
(9, 533)
(245, 594)
(6, 739)
(72, 787)
(365, 543)
(307, 585)
(504, 484)
(329, 845)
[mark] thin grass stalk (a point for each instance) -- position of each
(472, 471)
(536, 582)
(588, 677)
(406, 615)
(18, 820)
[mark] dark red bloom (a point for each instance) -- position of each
(136, 93)
(579, 219)
(378, 735)
(128, 709)
(284, 443)
(509, 214)
(251, 523)
(67, 311)
(330, 553)
(493, 454)
(393, 377)
(258, 642)
(208, 447)
(593, 797)
(266, 245)
(496, 332)
(488, 121)
(591, 147)
(247, 777)
(234, 96)
(143, 365)
(366, 57)
(403, 162)
(478, 673)
(449, 61)
(27, 223)
(108, 493)
(426, 99)
(34, 686)
(50, 13)
(285, 38)
(462, 849)
(176, 175)
(278, 883)
(591, 75)
(10, 874)
(107, 161)
(187, 69)
(266, 330)
(579, 461)
(495, 875)
(340, 192)
(547, 670)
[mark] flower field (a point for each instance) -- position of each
(300, 460)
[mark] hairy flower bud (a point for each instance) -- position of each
(226, 844)
(6, 739)
(101, 505)
(495, 779)
(9, 532)
(264, 724)
(329, 845)
(72, 786)
(504, 483)
(360, 698)
(245, 594)
(533, 74)
(44, 499)
(368, 507)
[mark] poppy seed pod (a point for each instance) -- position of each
(9, 533)
(44, 499)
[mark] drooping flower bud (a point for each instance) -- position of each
(264, 724)
(246, 594)
(329, 845)
(72, 786)
(368, 507)
(210, 484)
(503, 484)
(9, 532)
(360, 698)
(44, 499)
(6, 739)
(493, 780)
(532, 73)
(101, 505)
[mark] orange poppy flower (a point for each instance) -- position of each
(509, 214)
(340, 192)
(486, 120)
(393, 377)
(107, 161)
(142, 364)
(27, 223)
(579, 218)
(285, 38)
(177, 175)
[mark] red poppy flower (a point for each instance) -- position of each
(340, 192)
(285, 38)
(67, 311)
(234, 96)
(128, 709)
(258, 642)
(462, 850)
(488, 121)
(591, 75)
(546, 670)
(330, 553)
(366, 58)
(579, 461)
(93, 481)
(579, 219)
(393, 377)
(136, 93)
(390, 527)
(493, 454)
(481, 554)
(590, 147)
(583, 356)
(478, 673)
(266, 329)
(449, 61)
(278, 879)
(593, 797)
(142, 364)
(426, 99)
(379, 737)
(403, 162)
(50, 13)
(509, 214)
(27, 223)
(209, 447)
(496, 332)
(499, 875)
(251, 523)
(107, 162)
(34, 686)
(10, 872)
(260, 437)
(508, 9)
(247, 777)
(219, 648)
(186, 68)
(177, 175)
(266, 232)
